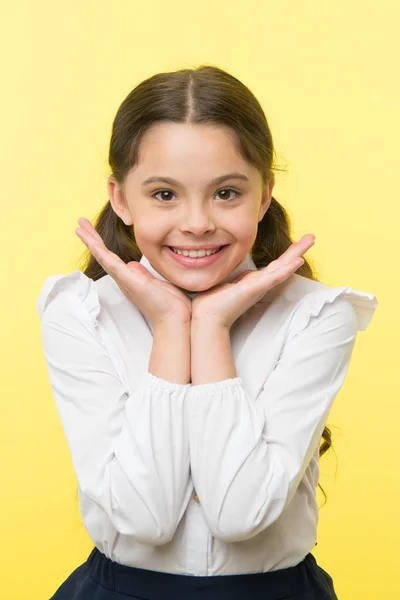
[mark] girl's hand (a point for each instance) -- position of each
(159, 301)
(224, 303)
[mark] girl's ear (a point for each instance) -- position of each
(117, 200)
(266, 197)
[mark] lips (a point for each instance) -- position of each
(198, 250)
(204, 261)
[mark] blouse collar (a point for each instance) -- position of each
(246, 264)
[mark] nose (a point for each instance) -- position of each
(197, 220)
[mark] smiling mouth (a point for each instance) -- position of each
(187, 252)
(197, 261)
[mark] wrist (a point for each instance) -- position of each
(170, 365)
(207, 324)
(211, 353)
(172, 325)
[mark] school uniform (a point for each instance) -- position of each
(198, 491)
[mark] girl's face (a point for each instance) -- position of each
(192, 211)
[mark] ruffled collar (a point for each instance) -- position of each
(246, 264)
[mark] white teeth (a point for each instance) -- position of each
(196, 253)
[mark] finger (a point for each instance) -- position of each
(110, 261)
(86, 225)
(88, 234)
(282, 271)
(293, 253)
(95, 244)
(276, 272)
(300, 247)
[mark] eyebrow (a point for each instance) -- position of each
(215, 181)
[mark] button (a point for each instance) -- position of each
(196, 498)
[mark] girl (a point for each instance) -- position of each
(195, 360)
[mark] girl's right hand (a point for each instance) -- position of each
(160, 301)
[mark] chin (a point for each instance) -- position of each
(195, 288)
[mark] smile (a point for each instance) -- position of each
(196, 253)
(196, 258)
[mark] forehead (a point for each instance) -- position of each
(181, 149)
(173, 140)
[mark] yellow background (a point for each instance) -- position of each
(326, 74)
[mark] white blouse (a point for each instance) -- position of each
(142, 447)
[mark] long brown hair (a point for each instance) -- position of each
(203, 95)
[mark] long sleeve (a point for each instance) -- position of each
(248, 457)
(130, 452)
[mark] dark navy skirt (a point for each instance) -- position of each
(99, 578)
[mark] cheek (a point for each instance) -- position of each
(149, 230)
(243, 229)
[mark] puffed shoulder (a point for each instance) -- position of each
(76, 283)
(363, 304)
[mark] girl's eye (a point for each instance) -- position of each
(162, 192)
(223, 190)
(229, 190)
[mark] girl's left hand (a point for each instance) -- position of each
(224, 303)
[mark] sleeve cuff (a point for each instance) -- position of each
(216, 386)
(163, 384)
